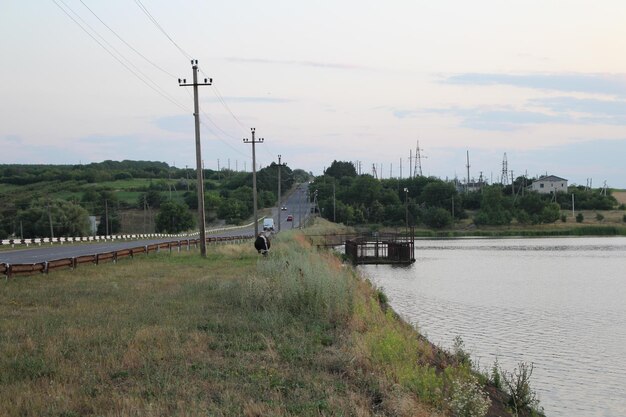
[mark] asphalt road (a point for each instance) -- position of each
(296, 204)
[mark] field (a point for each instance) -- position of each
(293, 334)
(620, 196)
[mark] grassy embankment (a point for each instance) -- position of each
(296, 333)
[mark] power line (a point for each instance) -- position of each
(153, 20)
(127, 44)
(126, 63)
(154, 86)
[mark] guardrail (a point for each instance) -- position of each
(62, 240)
(45, 267)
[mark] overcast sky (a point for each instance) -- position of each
(543, 81)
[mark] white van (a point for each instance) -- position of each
(268, 224)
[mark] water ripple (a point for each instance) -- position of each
(558, 303)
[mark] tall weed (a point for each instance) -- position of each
(293, 280)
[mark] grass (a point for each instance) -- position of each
(235, 334)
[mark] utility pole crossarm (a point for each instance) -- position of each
(199, 169)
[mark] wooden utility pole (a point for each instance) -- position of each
(254, 198)
(50, 221)
(200, 181)
(280, 206)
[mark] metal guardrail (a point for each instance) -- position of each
(62, 240)
(9, 270)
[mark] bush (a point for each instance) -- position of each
(518, 386)
(563, 218)
(599, 217)
(624, 218)
(580, 218)
(467, 399)
(437, 218)
(173, 217)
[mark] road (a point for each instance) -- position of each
(296, 203)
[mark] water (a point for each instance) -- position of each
(559, 303)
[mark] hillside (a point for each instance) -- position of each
(129, 194)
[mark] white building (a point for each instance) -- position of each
(549, 184)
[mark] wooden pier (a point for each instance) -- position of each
(379, 249)
(376, 248)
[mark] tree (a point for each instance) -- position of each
(550, 213)
(153, 198)
(438, 194)
(68, 219)
(340, 169)
(494, 208)
(3, 234)
(233, 210)
(437, 217)
(173, 217)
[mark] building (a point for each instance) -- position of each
(549, 184)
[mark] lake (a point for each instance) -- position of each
(559, 303)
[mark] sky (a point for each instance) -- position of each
(543, 82)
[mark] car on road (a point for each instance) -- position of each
(268, 225)
(290, 218)
(283, 208)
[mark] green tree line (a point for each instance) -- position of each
(346, 197)
(35, 204)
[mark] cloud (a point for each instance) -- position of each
(12, 139)
(106, 139)
(549, 110)
(312, 64)
(176, 124)
(403, 114)
(249, 100)
(591, 110)
(494, 118)
(608, 84)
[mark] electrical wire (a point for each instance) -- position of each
(126, 63)
(153, 20)
(127, 44)
(157, 89)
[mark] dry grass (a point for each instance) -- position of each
(168, 335)
(620, 196)
(294, 334)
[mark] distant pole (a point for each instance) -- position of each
(200, 182)
(280, 207)
(334, 205)
(453, 209)
(512, 184)
(254, 198)
(573, 213)
(50, 220)
(400, 168)
(21, 230)
(300, 209)
(106, 217)
(406, 207)
(468, 177)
